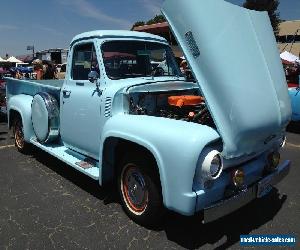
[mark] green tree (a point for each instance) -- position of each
(156, 19)
(270, 6)
(138, 23)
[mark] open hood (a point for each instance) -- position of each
(234, 57)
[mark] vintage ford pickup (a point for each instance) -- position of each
(124, 114)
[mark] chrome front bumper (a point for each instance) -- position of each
(257, 190)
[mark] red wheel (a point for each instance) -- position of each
(139, 189)
(134, 190)
(18, 131)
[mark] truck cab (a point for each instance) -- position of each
(118, 61)
(125, 114)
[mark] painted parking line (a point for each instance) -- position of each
(293, 145)
(7, 146)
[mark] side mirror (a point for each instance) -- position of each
(93, 76)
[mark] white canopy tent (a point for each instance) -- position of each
(2, 60)
(289, 57)
(12, 59)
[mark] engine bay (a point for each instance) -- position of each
(181, 105)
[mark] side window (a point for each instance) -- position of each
(84, 60)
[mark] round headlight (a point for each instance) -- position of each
(212, 165)
(216, 163)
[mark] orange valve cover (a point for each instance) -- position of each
(185, 100)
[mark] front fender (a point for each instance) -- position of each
(22, 105)
(176, 146)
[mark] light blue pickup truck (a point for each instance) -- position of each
(124, 113)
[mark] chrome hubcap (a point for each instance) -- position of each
(134, 189)
(136, 186)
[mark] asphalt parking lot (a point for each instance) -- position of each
(44, 204)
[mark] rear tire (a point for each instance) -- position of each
(18, 132)
(140, 190)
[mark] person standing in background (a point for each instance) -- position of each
(18, 75)
(38, 69)
(50, 71)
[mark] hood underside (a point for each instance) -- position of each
(234, 57)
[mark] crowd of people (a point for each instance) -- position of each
(292, 72)
(42, 70)
(46, 70)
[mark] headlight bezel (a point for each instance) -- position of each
(208, 163)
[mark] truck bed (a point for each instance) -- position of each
(32, 87)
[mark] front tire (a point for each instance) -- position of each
(140, 190)
(18, 131)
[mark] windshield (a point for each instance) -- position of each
(128, 59)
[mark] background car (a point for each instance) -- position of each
(295, 101)
(2, 95)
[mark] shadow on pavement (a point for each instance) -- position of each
(188, 232)
(294, 127)
(107, 194)
(191, 234)
(3, 119)
(3, 134)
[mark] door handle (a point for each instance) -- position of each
(66, 93)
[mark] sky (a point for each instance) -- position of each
(53, 23)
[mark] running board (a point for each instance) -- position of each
(78, 161)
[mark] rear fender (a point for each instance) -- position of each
(22, 105)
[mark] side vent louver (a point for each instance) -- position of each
(107, 108)
(192, 44)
